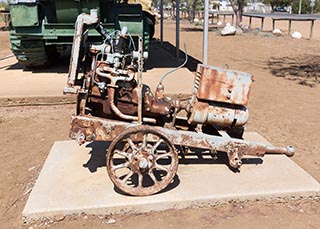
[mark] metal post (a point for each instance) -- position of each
(311, 29)
(289, 28)
(205, 32)
(273, 24)
(140, 69)
(161, 21)
(177, 28)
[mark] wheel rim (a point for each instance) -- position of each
(141, 161)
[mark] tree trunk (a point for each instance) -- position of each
(238, 10)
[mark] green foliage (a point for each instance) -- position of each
(275, 3)
(305, 7)
(4, 5)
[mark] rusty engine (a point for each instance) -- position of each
(109, 88)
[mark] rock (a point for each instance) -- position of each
(296, 35)
(276, 32)
(219, 23)
(59, 218)
(111, 221)
(228, 30)
(245, 28)
(196, 20)
(239, 31)
(32, 168)
(256, 31)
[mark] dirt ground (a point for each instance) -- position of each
(284, 108)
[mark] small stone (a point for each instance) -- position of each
(276, 32)
(32, 168)
(256, 31)
(245, 28)
(301, 210)
(296, 35)
(30, 227)
(219, 23)
(111, 221)
(59, 218)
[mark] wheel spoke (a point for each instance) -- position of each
(144, 141)
(120, 166)
(132, 145)
(124, 180)
(152, 176)
(163, 155)
(140, 179)
(160, 167)
(122, 153)
(156, 145)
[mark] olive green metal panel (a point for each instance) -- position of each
(24, 15)
(130, 16)
(68, 10)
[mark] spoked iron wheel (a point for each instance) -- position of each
(141, 161)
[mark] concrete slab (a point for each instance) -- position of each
(74, 181)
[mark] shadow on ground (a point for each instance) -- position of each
(160, 56)
(304, 69)
(59, 65)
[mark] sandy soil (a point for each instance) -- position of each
(284, 108)
(5, 44)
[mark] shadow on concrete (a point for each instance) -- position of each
(173, 184)
(98, 155)
(200, 28)
(200, 156)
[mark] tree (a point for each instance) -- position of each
(237, 6)
(192, 8)
(275, 3)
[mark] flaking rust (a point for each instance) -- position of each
(145, 128)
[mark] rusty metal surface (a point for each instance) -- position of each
(90, 128)
(226, 115)
(222, 85)
(82, 19)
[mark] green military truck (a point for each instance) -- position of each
(41, 29)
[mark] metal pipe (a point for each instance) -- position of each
(114, 108)
(115, 79)
(177, 28)
(82, 19)
(205, 32)
(289, 150)
(161, 21)
(140, 69)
